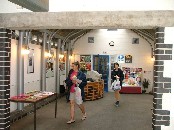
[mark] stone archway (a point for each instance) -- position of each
(88, 20)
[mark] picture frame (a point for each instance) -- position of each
(50, 65)
(135, 40)
(90, 39)
(30, 64)
(128, 58)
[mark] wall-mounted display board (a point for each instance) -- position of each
(128, 59)
(30, 67)
(85, 62)
(50, 65)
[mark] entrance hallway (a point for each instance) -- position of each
(134, 113)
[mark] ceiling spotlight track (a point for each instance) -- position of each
(144, 33)
(147, 34)
(80, 37)
(69, 35)
(145, 38)
(72, 35)
(52, 35)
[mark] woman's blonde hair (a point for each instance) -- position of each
(77, 64)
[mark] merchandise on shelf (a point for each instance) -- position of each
(132, 76)
(32, 95)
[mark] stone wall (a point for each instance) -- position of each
(162, 84)
(5, 50)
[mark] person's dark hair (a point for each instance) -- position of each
(116, 64)
(77, 64)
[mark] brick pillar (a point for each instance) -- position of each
(5, 49)
(162, 85)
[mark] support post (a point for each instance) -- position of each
(20, 69)
(57, 77)
(43, 63)
(67, 59)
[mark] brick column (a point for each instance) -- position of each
(5, 49)
(162, 85)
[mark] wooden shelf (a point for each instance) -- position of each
(94, 90)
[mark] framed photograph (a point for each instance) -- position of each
(50, 65)
(128, 59)
(85, 58)
(135, 40)
(90, 39)
(30, 66)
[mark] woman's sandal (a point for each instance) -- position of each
(84, 117)
(70, 121)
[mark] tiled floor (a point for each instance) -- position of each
(134, 113)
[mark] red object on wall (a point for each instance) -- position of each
(131, 89)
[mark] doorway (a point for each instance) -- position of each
(160, 56)
(101, 65)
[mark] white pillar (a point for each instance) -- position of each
(43, 64)
(20, 69)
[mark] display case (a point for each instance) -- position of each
(132, 80)
(132, 76)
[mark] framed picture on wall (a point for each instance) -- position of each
(90, 39)
(128, 59)
(135, 40)
(50, 65)
(30, 66)
(85, 63)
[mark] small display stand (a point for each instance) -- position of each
(131, 90)
(94, 90)
(34, 97)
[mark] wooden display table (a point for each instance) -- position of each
(94, 90)
(34, 101)
(131, 89)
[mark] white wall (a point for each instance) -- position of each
(9, 7)
(168, 98)
(31, 80)
(109, 5)
(122, 38)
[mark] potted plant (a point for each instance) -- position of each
(145, 84)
